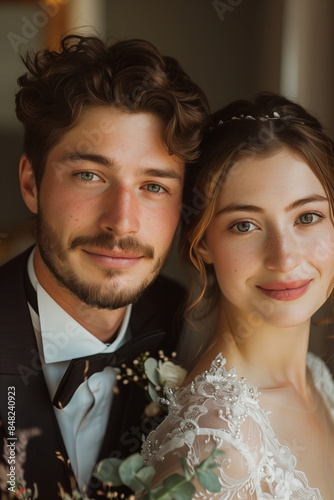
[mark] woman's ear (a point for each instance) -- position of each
(204, 252)
(28, 184)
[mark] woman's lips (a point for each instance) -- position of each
(285, 290)
(114, 259)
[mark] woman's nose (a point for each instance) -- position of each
(283, 252)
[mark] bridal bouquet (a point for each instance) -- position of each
(153, 376)
(133, 473)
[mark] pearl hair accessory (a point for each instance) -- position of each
(276, 116)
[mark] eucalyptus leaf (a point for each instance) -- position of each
(180, 491)
(130, 470)
(153, 394)
(205, 464)
(173, 481)
(151, 366)
(131, 465)
(149, 495)
(208, 480)
(145, 475)
(107, 471)
(184, 492)
(179, 487)
(186, 471)
(217, 453)
(209, 462)
(159, 493)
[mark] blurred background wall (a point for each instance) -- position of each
(231, 48)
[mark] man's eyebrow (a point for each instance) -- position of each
(233, 207)
(163, 172)
(92, 158)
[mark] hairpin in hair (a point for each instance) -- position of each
(275, 116)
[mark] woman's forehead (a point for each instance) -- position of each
(282, 176)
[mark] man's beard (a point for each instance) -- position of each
(117, 295)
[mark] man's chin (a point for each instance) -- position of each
(112, 297)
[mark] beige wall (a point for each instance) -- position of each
(231, 48)
(307, 72)
(230, 52)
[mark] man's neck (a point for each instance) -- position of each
(104, 324)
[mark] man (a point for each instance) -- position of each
(107, 133)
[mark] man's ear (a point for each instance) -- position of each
(204, 252)
(28, 184)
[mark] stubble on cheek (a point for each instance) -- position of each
(115, 288)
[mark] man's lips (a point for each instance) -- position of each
(114, 259)
(285, 290)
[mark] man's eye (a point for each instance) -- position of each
(154, 188)
(86, 176)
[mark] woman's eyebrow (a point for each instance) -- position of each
(303, 201)
(233, 207)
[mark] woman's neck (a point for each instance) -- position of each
(267, 356)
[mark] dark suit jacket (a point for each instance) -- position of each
(35, 421)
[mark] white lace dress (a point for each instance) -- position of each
(218, 409)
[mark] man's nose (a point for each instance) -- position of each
(120, 211)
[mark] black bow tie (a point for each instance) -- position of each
(81, 369)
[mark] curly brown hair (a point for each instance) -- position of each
(131, 75)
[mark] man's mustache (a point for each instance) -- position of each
(106, 241)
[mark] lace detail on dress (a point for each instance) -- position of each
(219, 410)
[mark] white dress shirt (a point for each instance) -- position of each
(60, 338)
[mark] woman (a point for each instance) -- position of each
(258, 228)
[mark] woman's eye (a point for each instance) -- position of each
(309, 218)
(154, 188)
(86, 176)
(243, 227)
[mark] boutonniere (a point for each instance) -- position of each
(153, 375)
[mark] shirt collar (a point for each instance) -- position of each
(62, 337)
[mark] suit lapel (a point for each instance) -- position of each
(36, 424)
(19, 362)
(127, 422)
